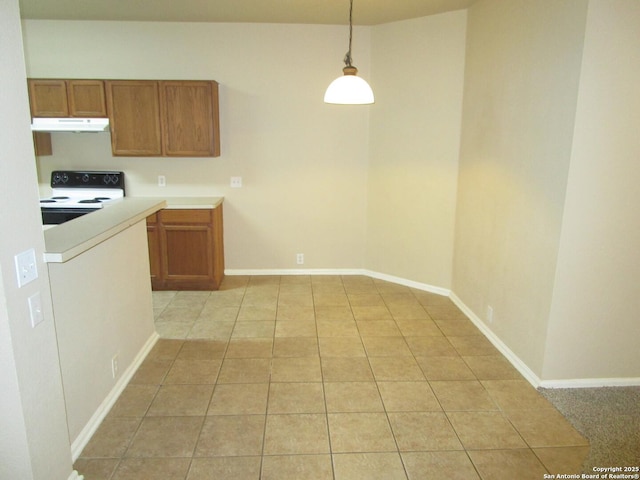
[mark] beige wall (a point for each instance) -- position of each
(418, 72)
(303, 163)
(522, 71)
(34, 443)
(593, 327)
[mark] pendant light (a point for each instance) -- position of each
(349, 89)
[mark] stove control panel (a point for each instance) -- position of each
(86, 179)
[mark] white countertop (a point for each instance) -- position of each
(192, 202)
(66, 241)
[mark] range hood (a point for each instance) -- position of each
(70, 125)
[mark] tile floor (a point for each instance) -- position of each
(326, 377)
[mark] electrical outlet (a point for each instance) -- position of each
(114, 366)
(35, 309)
(26, 269)
(300, 258)
(162, 181)
(489, 313)
(236, 182)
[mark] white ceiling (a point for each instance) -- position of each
(365, 12)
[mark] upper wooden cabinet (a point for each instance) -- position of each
(190, 118)
(67, 98)
(134, 117)
(164, 118)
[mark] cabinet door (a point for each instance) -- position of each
(86, 98)
(155, 249)
(134, 113)
(190, 126)
(48, 98)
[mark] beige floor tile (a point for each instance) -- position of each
(297, 467)
(295, 288)
(296, 398)
(457, 327)
(331, 312)
(431, 346)
(304, 328)
(295, 347)
(231, 435)
(134, 401)
(472, 345)
(179, 314)
(492, 367)
(207, 330)
(330, 299)
(368, 466)
(360, 432)
(485, 430)
(239, 399)
(386, 346)
(445, 368)
(174, 330)
(96, 468)
(398, 296)
(344, 397)
(165, 468)
(515, 395)
(408, 311)
(257, 313)
(395, 369)
(507, 464)
(213, 313)
(295, 313)
(378, 328)
(418, 328)
(151, 372)
(366, 299)
(245, 370)
(545, 427)
(296, 299)
(563, 459)
(296, 434)
(254, 329)
(423, 431)
(193, 372)
(225, 468)
(181, 400)
(112, 437)
(250, 348)
(373, 312)
(346, 369)
(408, 397)
(439, 465)
(165, 349)
(341, 347)
(224, 298)
(337, 328)
(202, 350)
(165, 437)
(462, 395)
(290, 369)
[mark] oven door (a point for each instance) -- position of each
(56, 216)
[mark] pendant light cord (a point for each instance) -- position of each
(347, 58)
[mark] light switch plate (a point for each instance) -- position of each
(236, 182)
(26, 268)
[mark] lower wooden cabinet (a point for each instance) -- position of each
(186, 249)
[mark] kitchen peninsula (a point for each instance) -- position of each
(99, 275)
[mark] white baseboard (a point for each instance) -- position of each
(591, 383)
(96, 419)
(74, 476)
(294, 271)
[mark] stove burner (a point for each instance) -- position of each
(102, 199)
(47, 201)
(60, 198)
(90, 200)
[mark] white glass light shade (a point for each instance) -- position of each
(349, 90)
